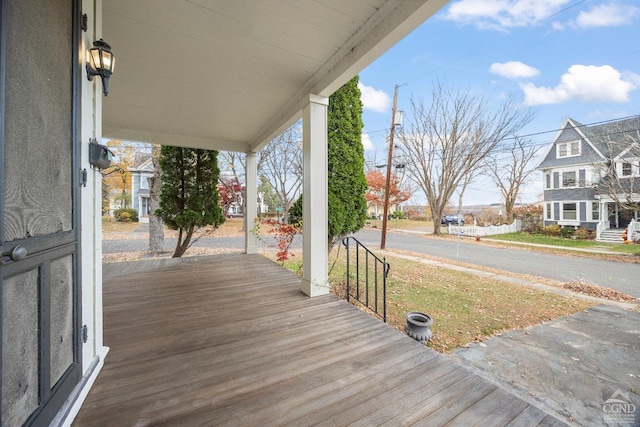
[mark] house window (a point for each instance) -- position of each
(547, 180)
(549, 211)
(627, 169)
(595, 176)
(144, 206)
(569, 211)
(595, 211)
(569, 179)
(568, 149)
(144, 183)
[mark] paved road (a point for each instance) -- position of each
(135, 245)
(622, 276)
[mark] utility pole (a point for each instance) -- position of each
(389, 161)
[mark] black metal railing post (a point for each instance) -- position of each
(380, 268)
(346, 245)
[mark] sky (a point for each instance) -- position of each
(562, 58)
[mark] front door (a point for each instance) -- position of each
(626, 215)
(39, 188)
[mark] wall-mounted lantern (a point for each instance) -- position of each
(99, 155)
(102, 63)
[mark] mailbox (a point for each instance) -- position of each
(99, 155)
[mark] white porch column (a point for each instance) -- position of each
(250, 198)
(314, 210)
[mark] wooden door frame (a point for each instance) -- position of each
(63, 242)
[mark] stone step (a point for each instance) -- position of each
(610, 240)
(611, 236)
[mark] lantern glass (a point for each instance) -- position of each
(95, 58)
(107, 61)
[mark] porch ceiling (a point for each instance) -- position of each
(231, 75)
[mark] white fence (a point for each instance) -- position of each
(474, 230)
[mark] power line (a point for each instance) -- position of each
(562, 10)
(580, 126)
(544, 142)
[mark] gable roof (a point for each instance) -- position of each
(603, 141)
(142, 163)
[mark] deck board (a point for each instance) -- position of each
(231, 340)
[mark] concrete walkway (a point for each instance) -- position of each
(585, 367)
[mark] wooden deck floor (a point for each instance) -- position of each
(232, 341)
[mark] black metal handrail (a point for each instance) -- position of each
(362, 292)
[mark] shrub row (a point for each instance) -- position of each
(567, 232)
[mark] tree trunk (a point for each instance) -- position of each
(156, 230)
(183, 245)
(436, 214)
(508, 207)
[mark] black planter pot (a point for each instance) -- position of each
(418, 325)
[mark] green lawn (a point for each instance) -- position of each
(464, 307)
(567, 243)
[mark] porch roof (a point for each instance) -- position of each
(231, 75)
(230, 340)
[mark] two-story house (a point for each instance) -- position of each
(592, 175)
(140, 173)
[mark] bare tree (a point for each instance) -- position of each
(156, 227)
(509, 169)
(450, 138)
(281, 165)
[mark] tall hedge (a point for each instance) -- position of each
(189, 197)
(347, 182)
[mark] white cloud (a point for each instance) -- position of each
(513, 69)
(607, 15)
(366, 142)
(373, 99)
(502, 14)
(584, 83)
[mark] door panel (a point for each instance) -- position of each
(61, 294)
(39, 191)
(20, 353)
